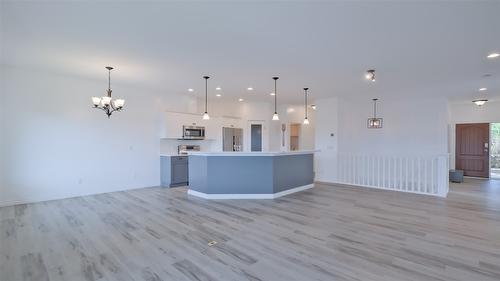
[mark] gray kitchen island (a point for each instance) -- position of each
(249, 175)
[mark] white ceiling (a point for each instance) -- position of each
(420, 49)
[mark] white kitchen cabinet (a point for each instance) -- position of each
(212, 128)
(231, 122)
(173, 121)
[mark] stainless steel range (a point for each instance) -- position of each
(183, 149)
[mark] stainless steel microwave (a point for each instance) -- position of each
(193, 132)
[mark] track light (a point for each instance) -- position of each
(370, 75)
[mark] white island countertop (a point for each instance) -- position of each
(172, 154)
(239, 153)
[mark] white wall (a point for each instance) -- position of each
(221, 107)
(245, 114)
(256, 113)
(410, 128)
(54, 145)
(294, 114)
(261, 113)
(326, 139)
(469, 113)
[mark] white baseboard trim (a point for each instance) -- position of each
(480, 178)
(12, 203)
(249, 196)
(38, 200)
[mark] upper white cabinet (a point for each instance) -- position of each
(231, 122)
(173, 122)
(212, 128)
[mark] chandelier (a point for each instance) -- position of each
(106, 103)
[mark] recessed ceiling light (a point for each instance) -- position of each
(218, 88)
(240, 99)
(218, 95)
(250, 88)
(190, 90)
(313, 106)
(272, 94)
(493, 55)
(483, 89)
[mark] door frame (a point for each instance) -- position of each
(261, 136)
(247, 134)
(489, 152)
(453, 141)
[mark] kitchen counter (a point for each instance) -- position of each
(249, 175)
(239, 153)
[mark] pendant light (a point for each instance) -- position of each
(374, 123)
(275, 115)
(106, 103)
(306, 121)
(480, 102)
(205, 115)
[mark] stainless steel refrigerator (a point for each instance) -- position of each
(232, 139)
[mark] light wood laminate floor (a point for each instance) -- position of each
(326, 233)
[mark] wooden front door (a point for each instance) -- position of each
(472, 149)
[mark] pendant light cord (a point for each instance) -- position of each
(109, 68)
(206, 93)
(275, 95)
(109, 82)
(374, 108)
(305, 103)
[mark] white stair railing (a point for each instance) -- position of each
(415, 174)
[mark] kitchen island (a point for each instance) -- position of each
(249, 175)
